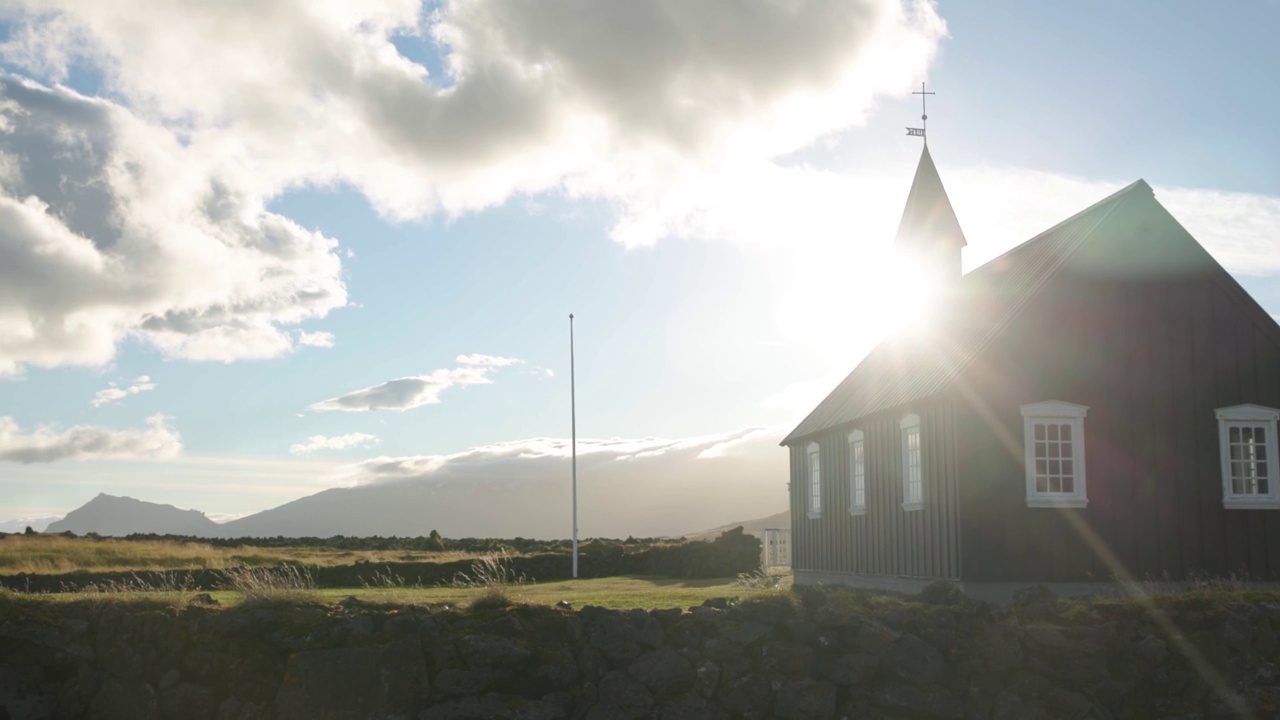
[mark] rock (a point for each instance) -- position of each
(648, 629)
(187, 700)
(749, 693)
(719, 603)
(555, 668)
(498, 707)
(720, 649)
(1153, 650)
(619, 697)
(486, 650)
(919, 702)
(707, 675)
(745, 633)
(373, 681)
(121, 698)
(806, 699)
(455, 681)
(1035, 601)
(613, 634)
(999, 645)
(564, 605)
(203, 599)
(689, 707)
(915, 662)
(794, 660)
(664, 672)
(941, 592)
(854, 670)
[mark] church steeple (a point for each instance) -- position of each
(929, 234)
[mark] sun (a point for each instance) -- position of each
(840, 310)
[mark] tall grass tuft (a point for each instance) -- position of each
(493, 576)
(280, 584)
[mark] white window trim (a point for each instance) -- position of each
(857, 439)
(1061, 412)
(908, 424)
(1253, 415)
(813, 503)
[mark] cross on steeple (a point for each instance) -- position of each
(924, 114)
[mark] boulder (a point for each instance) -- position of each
(664, 672)
(366, 682)
(805, 699)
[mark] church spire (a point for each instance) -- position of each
(929, 233)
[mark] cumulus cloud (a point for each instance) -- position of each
(114, 227)
(340, 442)
(599, 98)
(626, 486)
(87, 442)
(115, 392)
(487, 360)
(406, 392)
(316, 339)
(418, 390)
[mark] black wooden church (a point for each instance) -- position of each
(1098, 403)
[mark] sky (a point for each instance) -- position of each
(251, 251)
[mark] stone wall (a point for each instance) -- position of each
(816, 655)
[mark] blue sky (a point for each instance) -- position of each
(706, 255)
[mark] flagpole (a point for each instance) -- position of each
(573, 415)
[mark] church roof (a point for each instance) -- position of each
(921, 362)
(928, 219)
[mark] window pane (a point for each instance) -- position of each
(1066, 432)
(1055, 484)
(1066, 449)
(1068, 468)
(1260, 451)
(1055, 467)
(1237, 485)
(1041, 451)
(1053, 432)
(1233, 434)
(1039, 431)
(1246, 434)
(1263, 487)
(1068, 485)
(1053, 449)
(1042, 483)
(1260, 435)
(1042, 467)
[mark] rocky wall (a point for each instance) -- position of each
(836, 655)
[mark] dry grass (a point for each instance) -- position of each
(54, 554)
(285, 583)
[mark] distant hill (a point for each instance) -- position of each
(21, 524)
(750, 527)
(111, 515)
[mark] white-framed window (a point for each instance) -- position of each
(912, 469)
(857, 473)
(1247, 445)
(1053, 437)
(815, 481)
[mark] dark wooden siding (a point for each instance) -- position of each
(885, 540)
(1146, 330)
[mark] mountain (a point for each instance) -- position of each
(111, 515)
(642, 488)
(21, 524)
(750, 527)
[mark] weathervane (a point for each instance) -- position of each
(924, 115)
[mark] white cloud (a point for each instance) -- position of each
(406, 392)
(316, 339)
(340, 442)
(115, 227)
(111, 394)
(626, 486)
(87, 442)
(599, 98)
(487, 360)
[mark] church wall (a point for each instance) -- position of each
(885, 540)
(1147, 331)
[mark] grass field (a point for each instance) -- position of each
(616, 592)
(53, 554)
